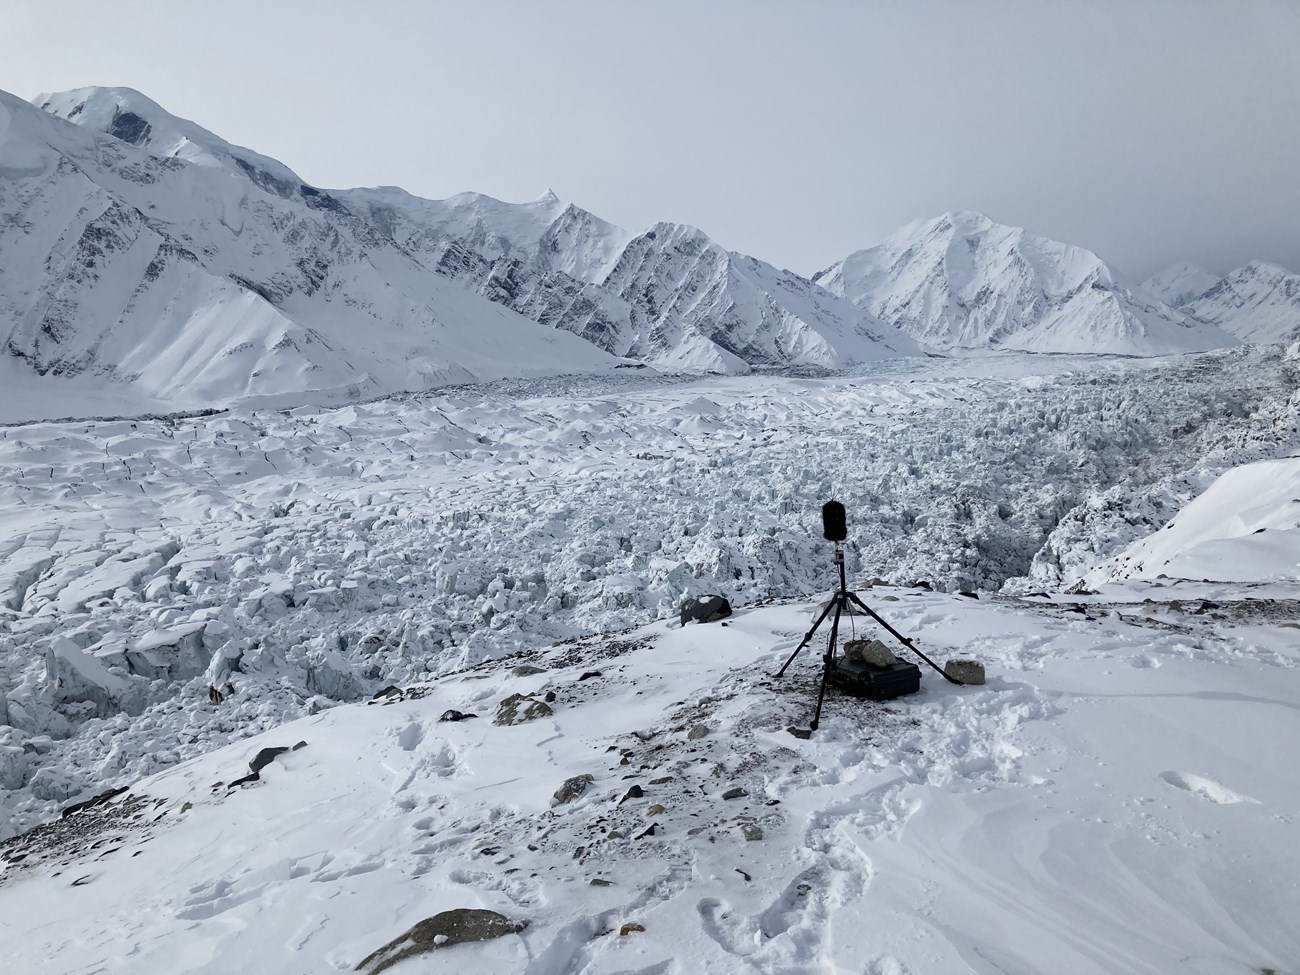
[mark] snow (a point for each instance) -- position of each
(1259, 302)
(1122, 763)
(1181, 283)
(963, 281)
(1245, 527)
(1109, 801)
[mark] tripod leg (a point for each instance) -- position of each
(808, 636)
(901, 639)
(828, 660)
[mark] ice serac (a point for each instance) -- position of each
(695, 305)
(963, 281)
(1181, 283)
(196, 274)
(1257, 303)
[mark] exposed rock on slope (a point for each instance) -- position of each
(963, 281)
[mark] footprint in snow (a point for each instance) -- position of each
(1205, 788)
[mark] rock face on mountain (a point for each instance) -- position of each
(1181, 283)
(1257, 303)
(207, 274)
(962, 281)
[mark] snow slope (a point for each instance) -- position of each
(1259, 302)
(962, 281)
(1181, 283)
(1091, 809)
(1245, 526)
(195, 285)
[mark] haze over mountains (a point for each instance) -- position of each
(156, 265)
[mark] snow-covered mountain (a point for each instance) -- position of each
(143, 252)
(208, 274)
(1180, 283)
(962, 281)
(1258, 302)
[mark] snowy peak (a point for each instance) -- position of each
(1259, 302)
(126, 114)
(1181, 283)
(696, 305)
(964, 281)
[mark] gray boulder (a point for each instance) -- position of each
(460, 926)
(870, 652)
(965, 671)
(518, 708)
(571, 789)
(704, 609)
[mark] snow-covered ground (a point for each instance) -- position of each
(1116, 798)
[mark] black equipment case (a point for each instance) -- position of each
(878, 683)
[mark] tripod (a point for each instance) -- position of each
(839, 603)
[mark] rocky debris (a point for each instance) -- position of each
(459, 926)
(704, 609)
(871, 652)
(735, 792)
(91, 803)
(571, 789)
(103, 826)
(451, 714)
(965, 671)
(526, 670)
(752, 831)
(518, 708)
(698, 732)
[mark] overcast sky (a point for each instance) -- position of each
(1148, 130)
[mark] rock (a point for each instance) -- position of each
(698, 732)
(966, 671)
(526, 670)
(461, 926)
(650, 831)
(266, 756)
(636, 792)
(628, 928)
(870, 652)
(601, 882)
(968, 593)
(704, 609)
(735, 792)
(518, 708)
(98, 800)
(589, 674)
(451, 714)
(662, 780)
(752, 831)
(571, 789)
(389, 691)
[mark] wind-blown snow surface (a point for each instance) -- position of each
(963, 281)
(1109, 801)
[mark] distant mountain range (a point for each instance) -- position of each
(142, 255)
(1257, 302)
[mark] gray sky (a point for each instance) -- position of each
(1148, 130)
